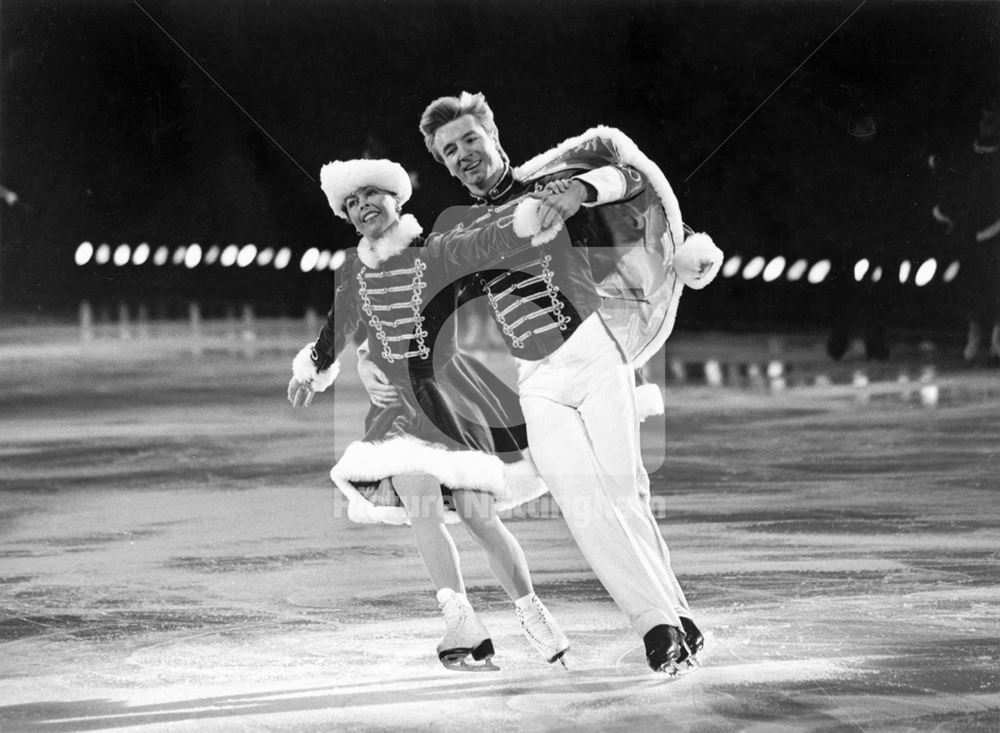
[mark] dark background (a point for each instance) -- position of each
(110, 133)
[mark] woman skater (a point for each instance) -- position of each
(434, 451)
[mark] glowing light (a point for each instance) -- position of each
(952, 272)
(337, 259)
(904, 271)
(140, 254)
(713, 373)
(753, 268)
(818, 272)
(732, 266)
(161, 256)
(247, 255)
(861, 269)
(265, 256)
(212, 255)
(228, 256)
(179, 254)
(877, 274)
(122, 254)
(84, 252)
(192, 258)
(774, 269)
(308, 260)
(323, 261)
(282, 259)
(925, 273)
(797, 270)
(102, 255)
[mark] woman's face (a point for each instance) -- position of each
(372, 211)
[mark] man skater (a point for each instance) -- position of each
(575, 378)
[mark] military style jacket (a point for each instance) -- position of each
(615, 255)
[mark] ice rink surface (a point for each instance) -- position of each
(172, 559)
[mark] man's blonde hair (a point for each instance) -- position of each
(448, 109)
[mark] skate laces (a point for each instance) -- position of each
(537, 624)
(456, 609)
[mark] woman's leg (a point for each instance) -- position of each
(421, 495)
(503, 551)
(507, 561)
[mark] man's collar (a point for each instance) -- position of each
(500, 190)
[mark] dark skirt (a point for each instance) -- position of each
(457, 422)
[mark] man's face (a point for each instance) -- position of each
(469, 153)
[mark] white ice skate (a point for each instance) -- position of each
(542, 631)
(464, 635)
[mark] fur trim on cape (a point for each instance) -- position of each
(629, 154)
(374, 253)
(697, 261)
(341, 178)
(648, 401)
(304, 370)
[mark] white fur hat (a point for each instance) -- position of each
(341, 178)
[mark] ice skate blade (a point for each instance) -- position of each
(674, 669)
(670, 669)
(462, 665)
(560, 657)
(456, 659)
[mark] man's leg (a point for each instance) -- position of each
(640, 516)
(608, 412)
(589, 498)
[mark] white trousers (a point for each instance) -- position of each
(583, 432)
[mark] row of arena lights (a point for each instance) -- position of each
(818, 272)
(314, 259)
(193, 255)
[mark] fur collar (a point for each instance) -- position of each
(394, 241)
(629, 154)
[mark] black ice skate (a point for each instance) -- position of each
(694, 641)
(464, 637)
(664, 645)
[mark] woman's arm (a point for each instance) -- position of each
(467, 249)
(315, 367)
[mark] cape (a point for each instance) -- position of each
(641, 285)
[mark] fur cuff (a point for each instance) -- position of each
(527, 223)
(697, 261)
(648, 401)
(304, 370)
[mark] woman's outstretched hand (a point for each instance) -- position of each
(300, 394)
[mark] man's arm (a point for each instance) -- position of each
(608, 184)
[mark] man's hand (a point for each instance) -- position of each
(380, 392)
(561, 198)
(300, 394)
